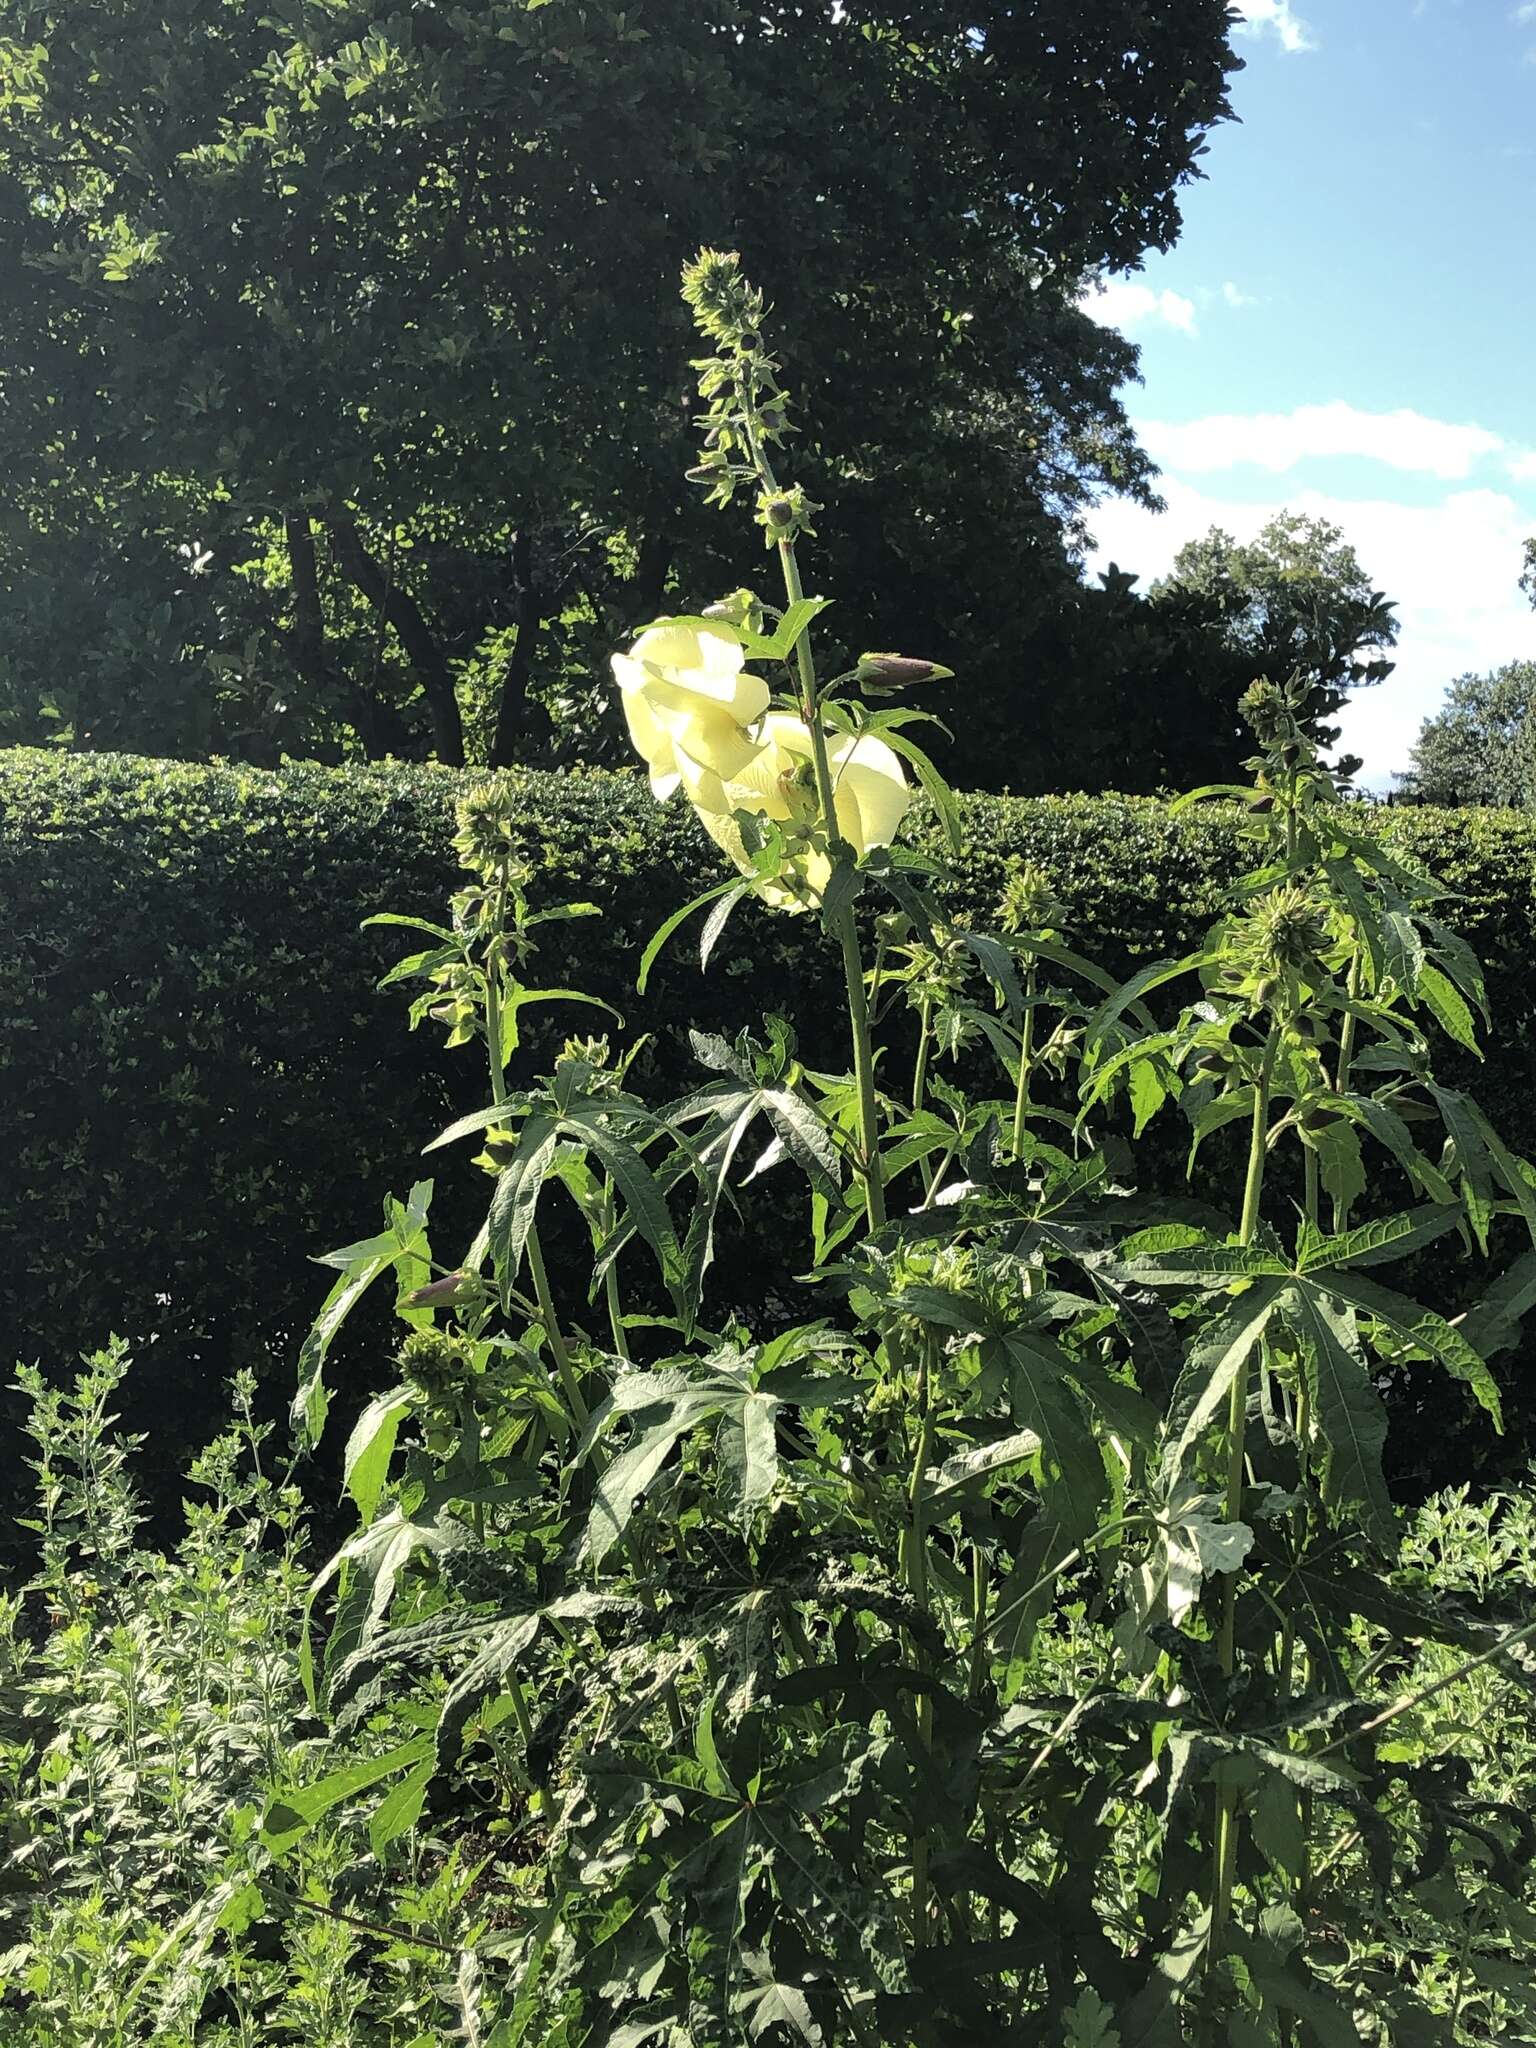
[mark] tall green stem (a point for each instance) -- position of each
(920, 1069)
(916, 1562)
(1346, 1059)
(536, 1266)
(1237, 1423)
(552, 1330)
(1026, 1062)
(843, 924)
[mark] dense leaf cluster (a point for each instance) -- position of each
(346, 349)
(203, 1087)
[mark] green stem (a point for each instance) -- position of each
(1225, 1869)
(611, 1284)
(552, 1331)
(916, 1547)
(1021, 1103)
(1341, 1078)
(546, 1301)
(615, 1314)
(844, 925)
(979, 1658)
(920, 1069)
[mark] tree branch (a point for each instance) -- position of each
(400, 610)
(512, 711)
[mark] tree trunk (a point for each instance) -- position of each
(512, 711)
(652, 564)
(400, 610)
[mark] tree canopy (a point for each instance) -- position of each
(1295, 600)
(340, 402)
(1480, 746)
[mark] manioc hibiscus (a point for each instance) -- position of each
(689, 702)
(869, 791)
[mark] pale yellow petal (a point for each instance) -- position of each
(870, 790)
(651, 738)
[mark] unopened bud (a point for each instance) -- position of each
(778, 511)
(879, 675)
(443, 1293)
(741, 608)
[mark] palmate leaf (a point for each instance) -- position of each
(1390, 1131)
(500, 1652)
(1493, 1324)
(293, 1810)
(370, 1447)
(1342, 1170)
(645, 1206)
(1379, 1242)
(1421, 1330)
(403, 1244)
(782, 642)
(997, 964)
(1448, 1007)
(1461, 964)
(1129, 995)
(624, 1482)
(1069, 1465)
(1220, 1352)
(514, 1206)
(946, 1484)
(1350, 1419)
(770, 2003)
(1402, 950)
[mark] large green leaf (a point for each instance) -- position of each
(1071, 1469)
(1348, 1415)
(293, 1811)
(370, 1447)
(1220, 1352)
(624, 1482)
(1381, 1241)
(1420, 1329)
(1449, 1007)
(405, 1240)
(514, 1205)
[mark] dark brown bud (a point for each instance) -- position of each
(443, 1293)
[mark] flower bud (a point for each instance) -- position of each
(741, 608)
(778, 512)
(445, 1292)
(880, 675)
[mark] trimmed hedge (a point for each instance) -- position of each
(201, 1086)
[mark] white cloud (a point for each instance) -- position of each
(1121, 302)
(1523, 467)
(1278, 15)
(1234, 297)
(1278, 441)
(1452, 569)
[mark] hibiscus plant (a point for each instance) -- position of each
(998, 1641)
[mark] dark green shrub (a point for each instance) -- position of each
(201, 1086)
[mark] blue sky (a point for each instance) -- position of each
(1347, 326)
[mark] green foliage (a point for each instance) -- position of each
(207, 1087)
(148, 1699)
(1479, 747)
(756, 1611)
(1295, 601)
(375, 318)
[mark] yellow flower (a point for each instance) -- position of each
(688, 701)
(869, 793)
